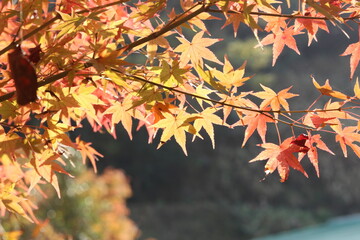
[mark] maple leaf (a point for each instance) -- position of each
(314, 120)
(311, 25)
(275, 100)
(86, 100)
(234, 100)
(313, 143)
(148, 9)
(280, 157)
(332, 111)
(12, 202)
(24, 75)
(7, 109)
(88, 152)
(172, 75)
(121, 112)
(234, 18)
(254, 120)
(330, 11)
(45, 167)
(229, 77)
(280, 39)
(198, 20)
(241, 13)
(347, 136)
(159, 108)
(69, 24)
(202, 91)
(326, 89)
(176, 125)
(353, 50)
(274, 24)
(300, 141)
(206, 121)
(196, 50)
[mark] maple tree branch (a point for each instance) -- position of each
(264, 112)
(169, 26)
(51, 21)
(294, 123)
(44, 82)
(228, 104)
(281, 15)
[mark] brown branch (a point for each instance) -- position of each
(267, 113)
(171, 25)
(281, 15)
(228, 104)
(222, 103)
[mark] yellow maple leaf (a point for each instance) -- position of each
(121, 113)
(11, 201)
(207, 119)
(176, 125)
(229, 77)
(196, 50)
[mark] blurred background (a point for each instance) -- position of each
(213, 194)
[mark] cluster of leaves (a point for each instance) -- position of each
(81, 54)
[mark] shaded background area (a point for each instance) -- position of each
(217, 194)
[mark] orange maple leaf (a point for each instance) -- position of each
(354, 51)
(255, 121)
(274, 24)
(280, 39)
(275, 100)
(159, 108)
(347, 136)
(311, 25)
(88, 152)
(281, 157)
(326, 89)
(240, 13)
(196, 50)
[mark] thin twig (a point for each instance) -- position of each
(281, 15)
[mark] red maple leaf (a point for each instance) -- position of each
(24, 76)
(313, 143)
(300, 141)
(281, 157)
(314, 120)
